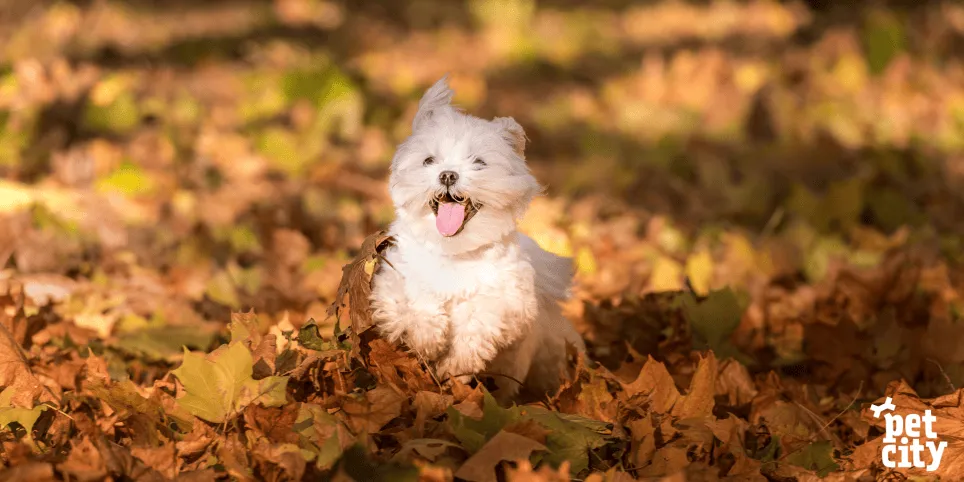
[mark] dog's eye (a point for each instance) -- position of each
(428, 161)
(479, 162)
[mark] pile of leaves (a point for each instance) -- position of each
(761, 199)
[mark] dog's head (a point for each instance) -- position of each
(458, 181)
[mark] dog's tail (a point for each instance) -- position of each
(553, 273)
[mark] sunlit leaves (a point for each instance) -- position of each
(219, 385)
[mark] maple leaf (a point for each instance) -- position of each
(15, 372)
(503, 446)
(698, 401)
(355, 465)
(356, 283)
(817, 456)
(322, 436)
(569, 437)
(125, 399)
(220, 384)
(713, 319)
(26, 417)
(949, 426)
(654, 385)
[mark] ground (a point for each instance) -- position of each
(762, 200)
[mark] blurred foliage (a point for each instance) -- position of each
(778, 182)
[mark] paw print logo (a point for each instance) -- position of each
(887, 405)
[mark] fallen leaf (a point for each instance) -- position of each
(16, 375)
(219, 385)
(698, 401)
(9, 413)
(429, 405)
(356, 283)
(655, 385)
(503, 446)
(375, 410)
(163, 459)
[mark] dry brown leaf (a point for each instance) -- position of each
(29, 472)
(287, 457)
(666, 461)
(378, 407)
(643, 441)
(698, 401)
(84, 461)
(949, 426)
(525, 473)
(735, 383)
(429, 405)
(356, 283)
(612, 475)
(15, 372)
(274, 422)
(394, 367)
(654, 384)
(235, 459)
(197, 441)
(731, 431)
(503, 446)
(162, 459)
(530, 429)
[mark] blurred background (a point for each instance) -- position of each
(165, 163)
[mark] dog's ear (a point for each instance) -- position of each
(513, 134)
(439, 95)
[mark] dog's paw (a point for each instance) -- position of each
(425, 343)
(460, 368)
(462, 379)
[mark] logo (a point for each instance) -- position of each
(907, 451)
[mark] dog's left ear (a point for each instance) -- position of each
(513, 134)
(439, 95)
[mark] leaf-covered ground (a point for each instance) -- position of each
(763, 201)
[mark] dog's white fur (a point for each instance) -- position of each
(486, 299)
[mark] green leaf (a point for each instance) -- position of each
(883, 38)
(358, 466)
(121, 115)
(309, 336)
(571, 437)
(714, 318)
(221, 384)
(817, 457)
(472, 433)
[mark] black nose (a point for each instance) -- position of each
(447, 178)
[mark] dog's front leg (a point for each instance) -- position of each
(481, 327)
(420, 322)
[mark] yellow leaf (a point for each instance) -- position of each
(699, 269)
(667, 275)
(585, 262)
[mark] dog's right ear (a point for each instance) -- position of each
(439, 95)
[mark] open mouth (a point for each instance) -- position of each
(452, 213)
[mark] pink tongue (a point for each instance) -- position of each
(449, 218)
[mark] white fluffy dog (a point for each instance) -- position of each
(462, 287)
